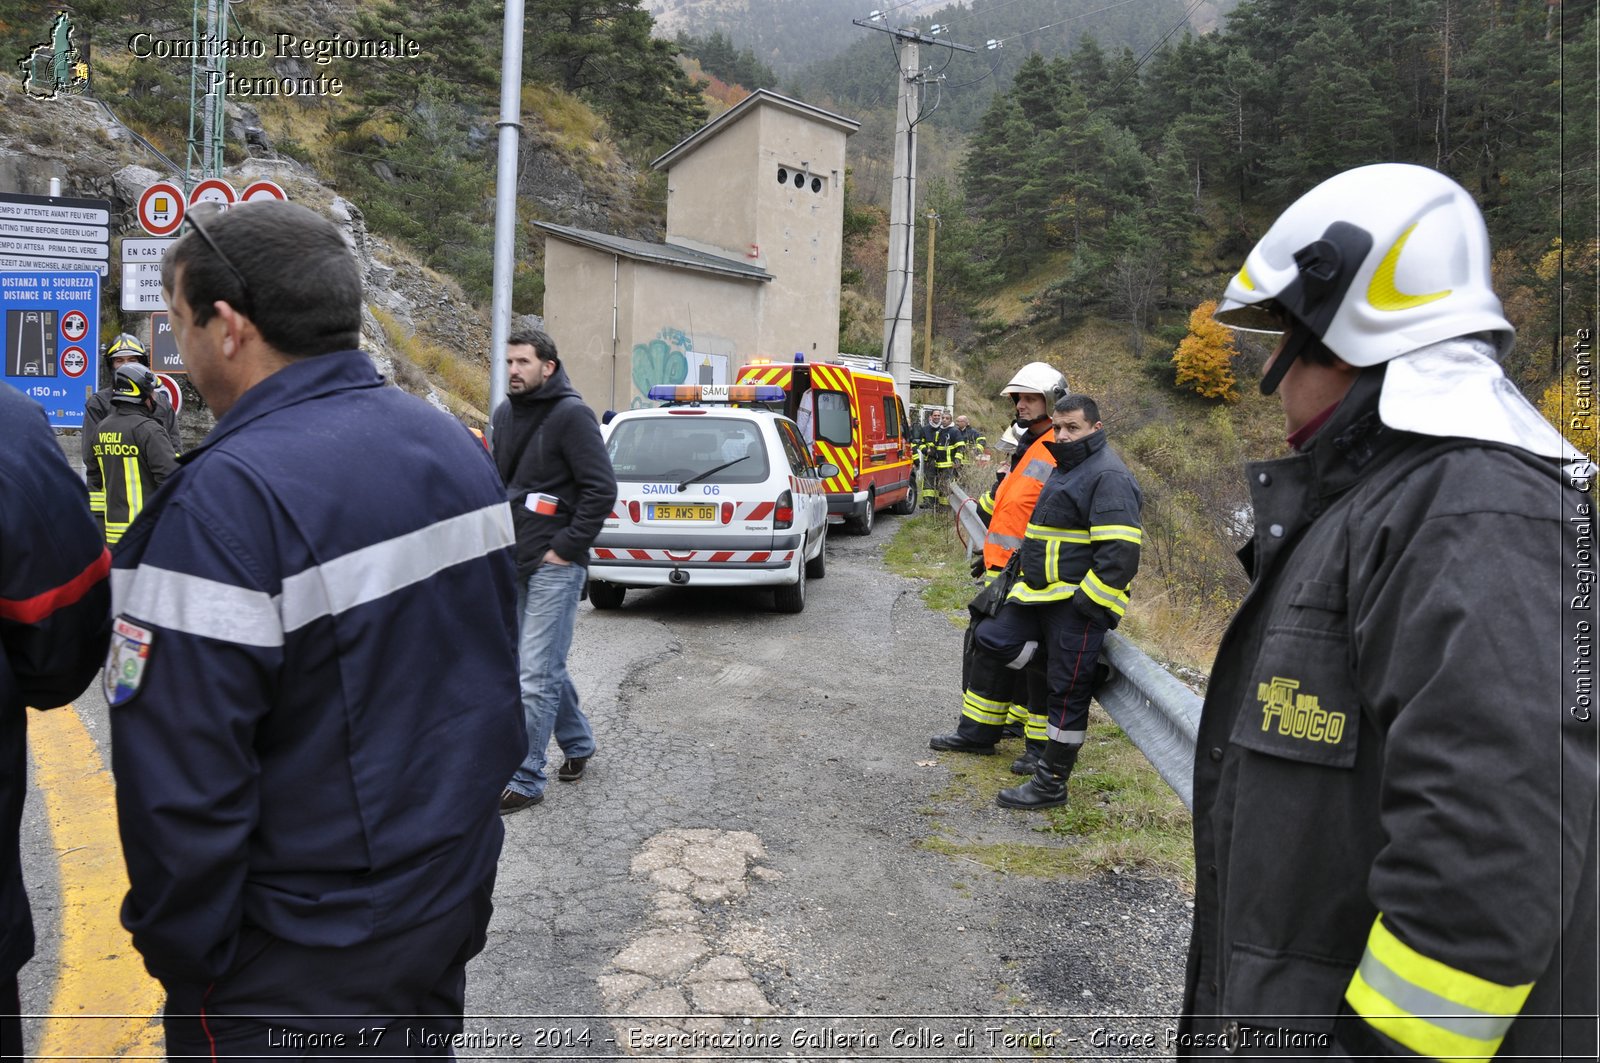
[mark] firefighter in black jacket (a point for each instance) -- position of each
(1395, 777)
(132, 453)
(124, 350)
(1078, 558)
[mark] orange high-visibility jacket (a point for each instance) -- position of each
(1007, 507)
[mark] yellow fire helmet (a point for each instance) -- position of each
(1376, 261)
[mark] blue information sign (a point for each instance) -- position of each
(50, 339)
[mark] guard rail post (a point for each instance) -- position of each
(1160, 714)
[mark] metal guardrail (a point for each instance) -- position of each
(1160, 714)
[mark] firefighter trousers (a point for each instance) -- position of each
(1071, 646)
(994, 696)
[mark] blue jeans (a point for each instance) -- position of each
(547, 609)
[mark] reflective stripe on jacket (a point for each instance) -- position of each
(1083, 539)
(314, 737)
(133, 456)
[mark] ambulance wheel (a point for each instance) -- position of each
(603, 595)
(861, 523)
(791, 598)
(907, 505)
(817, 567)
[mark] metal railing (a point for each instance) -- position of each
(1160, 714)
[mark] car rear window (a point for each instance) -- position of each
(677, 447)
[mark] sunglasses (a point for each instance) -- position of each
(192, 219)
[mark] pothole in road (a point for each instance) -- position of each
(679, 977)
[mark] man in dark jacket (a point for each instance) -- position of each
(1395, 774)
(1079, 555)
(132, 452)
(312, 677)
(550, 455)
(55, 617)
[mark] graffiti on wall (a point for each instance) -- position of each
(669, 359)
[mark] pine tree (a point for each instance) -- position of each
(1205, 357)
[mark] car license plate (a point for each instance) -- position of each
(660, 512)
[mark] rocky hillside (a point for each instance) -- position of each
(423, 329)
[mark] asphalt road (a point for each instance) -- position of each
(740, 874)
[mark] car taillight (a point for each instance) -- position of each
(727, 512)
(633, 512)
(783, 515)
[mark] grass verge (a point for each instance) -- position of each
(1122, 815)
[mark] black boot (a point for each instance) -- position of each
(1028, 763)
(969, 737)
(1048, 787)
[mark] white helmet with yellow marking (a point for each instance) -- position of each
(1390, 264)
(1376, 262)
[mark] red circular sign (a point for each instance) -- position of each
(262, 190)
(171, 387)
(213, 190)
(74, 325)
(161, 208)
(74, 361)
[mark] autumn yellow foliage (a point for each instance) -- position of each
(1569, 404)
(1205, 357)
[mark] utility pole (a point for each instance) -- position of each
(927, 316)
(903, 195)
(208, 96)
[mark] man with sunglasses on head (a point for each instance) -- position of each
(312, 677)
(1395, 774)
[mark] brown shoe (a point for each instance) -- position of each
(572, 769)
(511, 801)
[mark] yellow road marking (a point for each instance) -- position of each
(104, 1003)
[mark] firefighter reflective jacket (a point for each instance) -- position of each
(1006, 507)
(313, 674)
(1394, 786)
(969, 444)
(1083, 539)
(941, 446)
(133, 456)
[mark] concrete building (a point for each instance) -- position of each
(749, 267)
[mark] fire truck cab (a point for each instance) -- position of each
(852, 418)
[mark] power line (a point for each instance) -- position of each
(1000, 43)
(1151, 50)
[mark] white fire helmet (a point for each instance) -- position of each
(1376, 262)
(1039, 379)
(1391, 263)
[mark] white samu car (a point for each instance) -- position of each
(711, 492)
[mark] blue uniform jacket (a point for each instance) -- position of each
(55, 606)
(313, 674)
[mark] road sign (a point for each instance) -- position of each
(173, 391)
(35, 309)
(213, 190)
(161, 208)
(164, 353)
(74, 326)
(141, 287)
(262, 190)
(54, 232)
(74, 361)
(140, 249)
